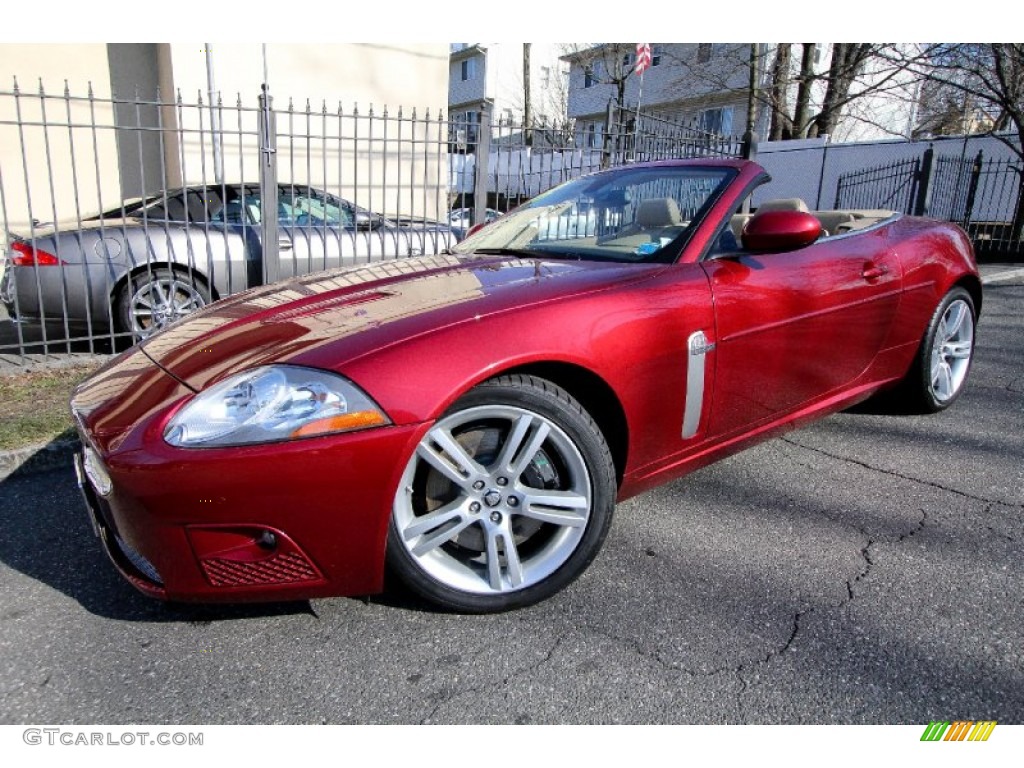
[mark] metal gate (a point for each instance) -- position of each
(120, 215)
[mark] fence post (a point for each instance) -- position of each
(271, 246)
(481, 164)
(972, 189)
(606, 140)
(748, 149)
(924, 184)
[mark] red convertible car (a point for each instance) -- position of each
(469, 420)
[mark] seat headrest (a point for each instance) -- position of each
(658, 212)
(784, 204)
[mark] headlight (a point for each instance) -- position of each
(277, 402)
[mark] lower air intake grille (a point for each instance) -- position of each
(142, 565)
(282, 569)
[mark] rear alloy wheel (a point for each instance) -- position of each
(943, 361)
(506, 499)
(155, 298)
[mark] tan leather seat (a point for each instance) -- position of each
(784, 204)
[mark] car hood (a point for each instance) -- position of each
(332, 318)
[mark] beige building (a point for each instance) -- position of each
(97, 133)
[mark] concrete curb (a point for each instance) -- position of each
(37, 458)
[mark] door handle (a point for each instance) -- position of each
(874, 271)
(284, 244)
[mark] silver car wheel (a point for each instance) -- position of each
(494, 500)
(951, 351)
(159, 299)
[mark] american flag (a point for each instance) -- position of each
(643, 57)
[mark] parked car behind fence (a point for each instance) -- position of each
(148, 262)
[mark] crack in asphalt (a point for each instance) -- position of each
(894, 473)
(865, 553)
(450, 697)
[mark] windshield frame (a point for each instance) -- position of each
(521, 224)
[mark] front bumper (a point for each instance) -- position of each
(281, 521)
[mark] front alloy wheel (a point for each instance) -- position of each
(506, 499)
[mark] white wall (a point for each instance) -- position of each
(411, 75)
(56, 153)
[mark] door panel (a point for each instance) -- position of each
(793, 327)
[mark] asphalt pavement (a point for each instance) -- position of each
(866, 569)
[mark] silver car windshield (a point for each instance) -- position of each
(636, 214)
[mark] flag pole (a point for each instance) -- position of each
(643, 61)
(639, 98)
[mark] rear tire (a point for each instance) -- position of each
(939, 372)
(154, 298)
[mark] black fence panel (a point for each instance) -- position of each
(985, 196)
(893, 186)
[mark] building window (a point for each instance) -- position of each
(627, 59)
(708, 51)
(545, 77)
(592, 135)
(588, 77)
(717, 121)
(464, 131)
(655, 55)
(469, 69)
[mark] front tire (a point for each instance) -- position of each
(505, 501)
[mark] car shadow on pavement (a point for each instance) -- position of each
(46, 536)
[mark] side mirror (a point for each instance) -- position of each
(366, 221)
(780, 231)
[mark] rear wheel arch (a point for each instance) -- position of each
(122, 281)
(972, 285)
(121, 297)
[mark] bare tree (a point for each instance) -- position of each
(606, 64)
(990, 79)
(856, 71)
(781, 123)
(805, 81)
(527, 102)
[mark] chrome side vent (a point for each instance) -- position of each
(697, 348)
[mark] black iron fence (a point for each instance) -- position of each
(983, 195)
(890, 186)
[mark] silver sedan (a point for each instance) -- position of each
(149, 262)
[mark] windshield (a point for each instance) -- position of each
(638, 214)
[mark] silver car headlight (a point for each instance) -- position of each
(273, 403)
